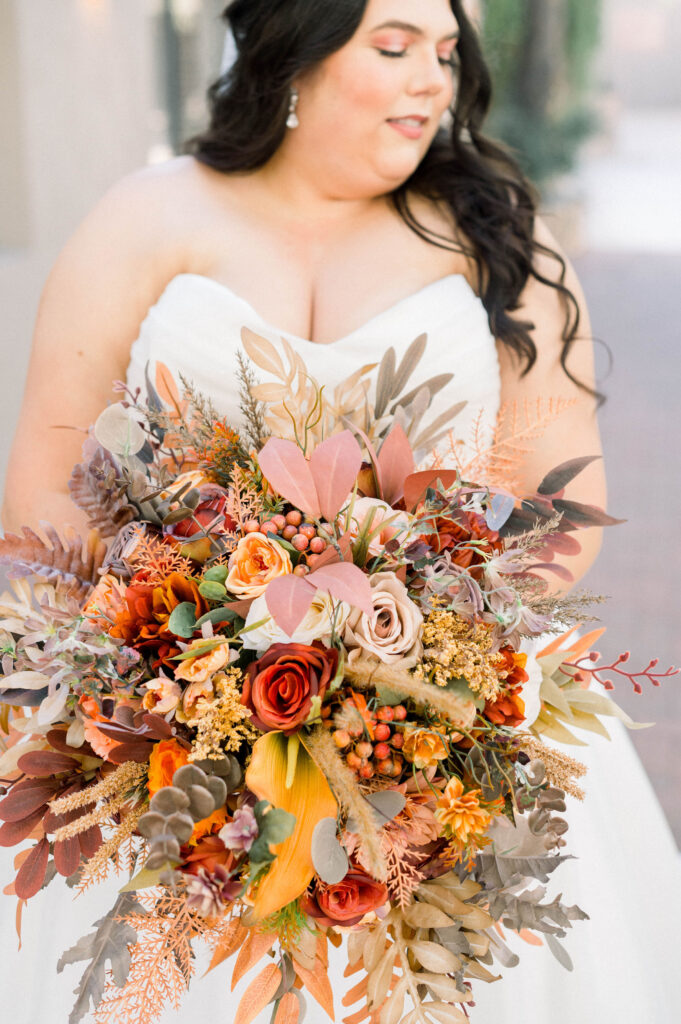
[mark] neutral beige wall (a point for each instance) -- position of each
(80, 84)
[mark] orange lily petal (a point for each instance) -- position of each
(309, 799)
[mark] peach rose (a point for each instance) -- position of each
(203, 666)
(256, 561)
(162, 695)
(392, 631)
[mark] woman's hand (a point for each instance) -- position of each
(575, 432)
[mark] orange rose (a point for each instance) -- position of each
(347, 902)
(202, 666)
(425, 747)
(256, 561)
(164, 760)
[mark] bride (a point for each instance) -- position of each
(345, 198)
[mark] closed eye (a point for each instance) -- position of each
(444, 61)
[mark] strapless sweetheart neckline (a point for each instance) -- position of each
(439, 282)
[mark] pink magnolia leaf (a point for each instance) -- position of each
(288, 471)
(334, 465)
(288, 599)
(396, 461)
(345, 582)
(416, 485)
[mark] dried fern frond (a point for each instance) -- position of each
(69, 560)
(159, 560)
(499, 453)
(162, 963)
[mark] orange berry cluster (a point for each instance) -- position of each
(378, 756)
(304, 537)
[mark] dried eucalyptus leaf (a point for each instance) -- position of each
(434, 957)
(394, 1006)
(118, 432)
(328, 856)
(444, 987)
(379, 981)
(421, 915)
(410, 360)
(560, 952)
(374, 947)
(107, 944)
(384, 382)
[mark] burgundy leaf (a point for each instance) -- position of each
(288, 472)
(13, 832)
(564, 544)
(25, 798)
(396, 461)
(288, 599)
(157, 726)
(32, 872)
(133, 751)
(559, 477)
(67, 856)
(44, 763)
(539, 508)
(556, 568)
(57, 739)
(90, 841)
(345, 582)
(585, 515)
(416, 485)
(241, 608)
(334, 465)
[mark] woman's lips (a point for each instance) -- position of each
(411, 127)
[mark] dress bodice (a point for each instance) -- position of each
(195, 329)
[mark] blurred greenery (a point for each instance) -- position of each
(541, 54)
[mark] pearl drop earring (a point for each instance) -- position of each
(292, 119)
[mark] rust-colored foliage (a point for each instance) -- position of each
(162, 963)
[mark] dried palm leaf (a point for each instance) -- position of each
(71, 561)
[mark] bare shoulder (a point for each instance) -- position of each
(438, 218)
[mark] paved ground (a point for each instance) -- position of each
(635, 307)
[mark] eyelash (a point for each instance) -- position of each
(451, 62)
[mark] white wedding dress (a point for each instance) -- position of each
(627, 874)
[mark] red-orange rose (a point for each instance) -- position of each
(347, 902)
(280, 686)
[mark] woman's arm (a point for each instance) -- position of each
(575, 432)
(97, 294)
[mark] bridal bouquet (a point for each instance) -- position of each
(302, 695)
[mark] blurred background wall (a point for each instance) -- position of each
(589, 96)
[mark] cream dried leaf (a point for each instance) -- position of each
(421, 915)
(434, 957)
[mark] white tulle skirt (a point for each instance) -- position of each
(627, 878)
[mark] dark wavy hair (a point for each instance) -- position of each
(492, 203)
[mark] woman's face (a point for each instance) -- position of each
(374, 106)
